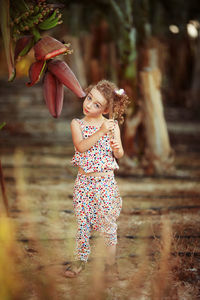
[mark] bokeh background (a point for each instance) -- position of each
(152, 50)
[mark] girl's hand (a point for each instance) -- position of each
(107, 126)
(114, 145)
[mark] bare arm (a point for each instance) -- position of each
(82, 144)
(116, 143)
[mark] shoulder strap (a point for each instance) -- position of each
(79, 121)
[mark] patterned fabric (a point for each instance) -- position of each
(98, 158)
(97, 205)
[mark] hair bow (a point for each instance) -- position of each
(119, 92)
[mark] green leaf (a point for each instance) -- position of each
(36, 34)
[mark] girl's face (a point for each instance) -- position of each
(94, 104)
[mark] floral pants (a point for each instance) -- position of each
(97, 205)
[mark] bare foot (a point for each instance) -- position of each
(74, 269)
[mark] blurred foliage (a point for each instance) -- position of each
(158, 13)
(2, 125)
(131, 26)
(131, 23)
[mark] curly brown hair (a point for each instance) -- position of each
(108, 90)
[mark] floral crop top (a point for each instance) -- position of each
(99, 158)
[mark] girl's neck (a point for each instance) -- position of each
(97, 120)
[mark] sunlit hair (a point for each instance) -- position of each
(110, 92)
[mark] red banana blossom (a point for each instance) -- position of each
(53, 92)
(58, 73)
(35, 71)
(48, 47)
(63, 72)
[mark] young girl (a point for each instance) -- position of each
(96, 200)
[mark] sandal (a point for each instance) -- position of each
(74, 268)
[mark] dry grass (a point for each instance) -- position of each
(35, 273)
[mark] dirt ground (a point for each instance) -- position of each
(35, 153)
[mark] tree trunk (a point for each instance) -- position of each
(195, 89)
(158, 154)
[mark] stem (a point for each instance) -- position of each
(111, 117)
(111, 109)
(43, 67)
(36, 34)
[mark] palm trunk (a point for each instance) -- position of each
(158, 153)
(195, 89)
